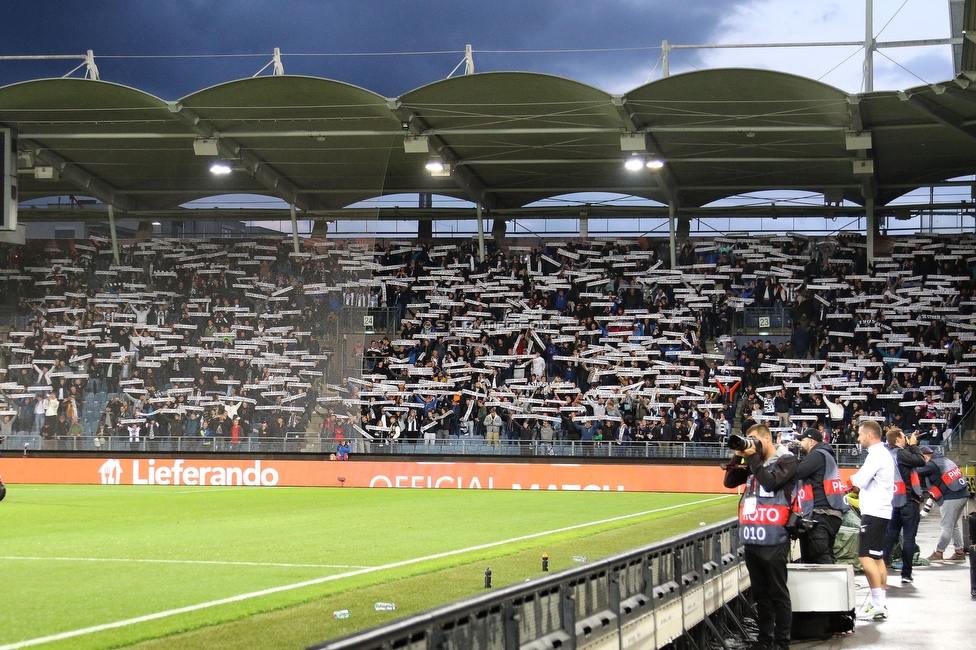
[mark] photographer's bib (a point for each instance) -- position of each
(763, 516)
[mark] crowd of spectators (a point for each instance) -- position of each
(597, 341)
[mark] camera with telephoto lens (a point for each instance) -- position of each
(741, 443)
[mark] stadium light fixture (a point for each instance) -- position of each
(205, 147)
(655, 163)
(634, 163)
(437, 168)
(220, 168)
(416, 144)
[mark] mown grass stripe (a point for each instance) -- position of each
(349, 574)
(158, 561)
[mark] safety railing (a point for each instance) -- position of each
(302, 442)
(644, 598)
(289, 443)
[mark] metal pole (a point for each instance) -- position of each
(111, 229)
(869, 46)
(294, 227)
(278, 69)
(584, 226)
(869, 214)
(481, 235)
(665, 63)
(671, 237)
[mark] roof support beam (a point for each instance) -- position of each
(229, 148)
(625, 113)
(689, 159)
(79, 177)
(960, 93)
(414, 129)
(869, 185)
(469, 182)
(939, 113)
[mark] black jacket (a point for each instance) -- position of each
(811, 468)
(780, 475)
(909, 458)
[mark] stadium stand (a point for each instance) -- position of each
(583, 347)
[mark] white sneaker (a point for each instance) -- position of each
(871, 612)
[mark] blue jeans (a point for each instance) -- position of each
(904, 520)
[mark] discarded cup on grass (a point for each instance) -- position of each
(579, 558)
(342, 613)
(384, 607)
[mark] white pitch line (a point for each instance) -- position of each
(155, 561)
(349, 574)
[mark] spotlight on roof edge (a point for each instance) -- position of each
(655, 164)
(434, 165)
(220, 168)
(634, 163)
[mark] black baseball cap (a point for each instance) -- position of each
(814, 434)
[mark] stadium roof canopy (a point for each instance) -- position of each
(509, 138)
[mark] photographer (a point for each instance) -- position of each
(905, 502)
(948, 487)
(768, 471)
(820, 493)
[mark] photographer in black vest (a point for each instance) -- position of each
(820, 494)
(768, 471)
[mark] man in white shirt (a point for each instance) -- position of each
(538, 366)
(875, 484)
(51, 406)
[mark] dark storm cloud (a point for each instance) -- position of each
(242, 27)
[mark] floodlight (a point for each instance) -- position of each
(435, 165)
(655, 164)
(634, 163)
(220, 168)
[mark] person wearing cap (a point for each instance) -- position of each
(875, 485)
(820, 495)
(904, 504)
(768, 471)
(948, 487)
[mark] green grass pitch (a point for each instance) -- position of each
(164, 567)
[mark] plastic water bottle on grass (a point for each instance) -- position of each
(342, 613)
(384, 607)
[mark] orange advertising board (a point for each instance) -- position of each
(385, 474)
